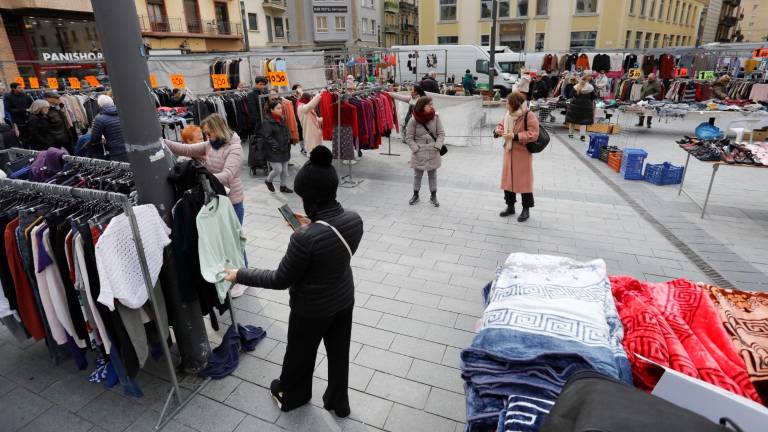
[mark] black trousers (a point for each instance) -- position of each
(510, 199)
(304, 335)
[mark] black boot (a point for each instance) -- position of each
(649, 122)
(509, 211)
(414, 198)
(340, 407)
(640, 121)
(270, 185)
(433, 200)
(285, 189)
(523, 215)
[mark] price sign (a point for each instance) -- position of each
(220, 81)
(635, 73)
(93, 81)
(74, 82)
(681, 72)
(278, 79)
(177, 80)
(705, 75)
(20, 81)
(53, 83)
(34, 83)
(760, 53)
(153, 80)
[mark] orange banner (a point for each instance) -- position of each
(74, 83)
(34, 83)
(153, 80)
(93, 81)
(53, 83)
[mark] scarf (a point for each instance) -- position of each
(509, 125)
(424, 117)
(278, 118)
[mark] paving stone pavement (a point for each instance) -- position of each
(418, 273)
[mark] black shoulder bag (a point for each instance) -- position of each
(443, 149)
(540, 143)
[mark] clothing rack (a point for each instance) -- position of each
(348, 181)
(70, 158)
(126, 204)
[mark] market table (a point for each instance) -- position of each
(715, 166)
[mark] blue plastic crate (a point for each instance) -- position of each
(596, 142)
(663, 174)
(632, 163)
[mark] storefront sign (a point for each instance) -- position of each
(93, 81)
(153, 80)
(220, 81)
(705, 75)
(329, 9)
(19, 80)
(278, 79)
(71, 56)
(74, 82)
(635, 73)
(53, 83)
(34, 83)
(177, 81)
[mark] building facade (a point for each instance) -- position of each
(390, 23)
(267, 22)
(549, 25)
(409, 22)
(334, 23)
(191, 25)
(754, 26)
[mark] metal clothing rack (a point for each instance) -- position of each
(348, 181)
(126, 204)
(70, 158)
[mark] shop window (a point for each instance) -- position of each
(447, 10)
(583, 39)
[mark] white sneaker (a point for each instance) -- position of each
(238, 290)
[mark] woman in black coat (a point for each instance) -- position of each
(581, 109)
(316, 270)
(277, 146)
(38, 125)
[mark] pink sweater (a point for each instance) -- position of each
(224, 163)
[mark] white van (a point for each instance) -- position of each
(449, 61)
(511, 63)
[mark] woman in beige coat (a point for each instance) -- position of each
(517, 171)
(425, 136)
(311, 124)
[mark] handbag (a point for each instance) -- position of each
(541, 142)
(443, 149)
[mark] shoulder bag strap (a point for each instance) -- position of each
(428, 131)
(346, 245)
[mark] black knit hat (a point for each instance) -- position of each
(317, 181)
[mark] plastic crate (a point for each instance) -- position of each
(632, 163)
(606, 150)
(596, 141)
(614, 160)
(663, 174)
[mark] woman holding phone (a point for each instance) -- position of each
(316, 270)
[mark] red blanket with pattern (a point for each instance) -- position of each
(676, 325)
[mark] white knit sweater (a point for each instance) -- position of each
(118, 261)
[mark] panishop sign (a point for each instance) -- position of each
(72, 56)
(329, 9)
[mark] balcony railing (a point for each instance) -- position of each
(160, 24)
(391, 28)
(276, 4)
(732, 2)
(391, 6)
(729, 21)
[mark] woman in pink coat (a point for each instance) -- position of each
(517, 171)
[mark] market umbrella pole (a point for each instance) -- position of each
(118, 25)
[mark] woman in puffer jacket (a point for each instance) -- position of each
(425, 136)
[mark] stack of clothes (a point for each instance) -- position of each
(546, 318)
(677, 325)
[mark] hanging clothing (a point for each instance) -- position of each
(630, 61)
(310, 122)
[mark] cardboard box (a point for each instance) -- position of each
(606, 128)
(758, 135)
(710, 401)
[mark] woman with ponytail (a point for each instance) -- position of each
(316, 271)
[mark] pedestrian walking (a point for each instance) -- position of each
(316, 271)
(581, 109)
(651, 88)
(277, 146)
(517, 168)
(425, 136)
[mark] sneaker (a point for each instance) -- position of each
(583, 138)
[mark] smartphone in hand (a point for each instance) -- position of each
(289, 217)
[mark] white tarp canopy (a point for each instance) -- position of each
(462, 117)
(305, 68)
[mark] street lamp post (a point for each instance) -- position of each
(492, 66)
